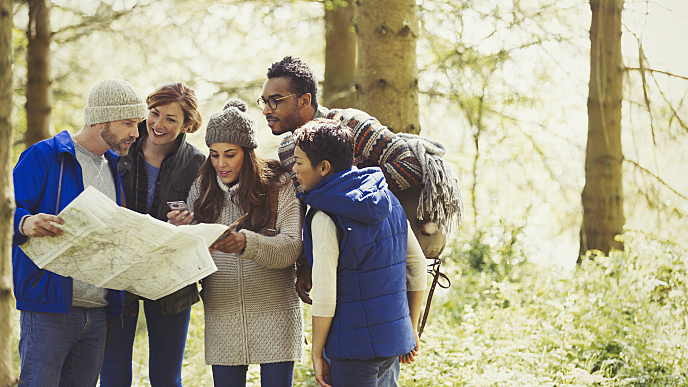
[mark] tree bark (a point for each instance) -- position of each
(387, 78)
(7, 199)
(340, 57)
(38, 90)
(603, 212)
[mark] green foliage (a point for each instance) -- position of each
(619, 320)
(496, 250)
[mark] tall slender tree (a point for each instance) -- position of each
(603, 212)
(7, 199)
(38, 90)
(387, 78)
(340, 55)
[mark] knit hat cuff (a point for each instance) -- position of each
(99, 114)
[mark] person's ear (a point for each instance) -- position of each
(325, 168)
(305, 101)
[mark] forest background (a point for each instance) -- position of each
(504, 85)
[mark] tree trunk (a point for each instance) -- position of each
(38, 91)
(603, 215)
(340, 57)
(387, 78)
(7, 198)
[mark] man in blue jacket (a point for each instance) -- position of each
(63, 325)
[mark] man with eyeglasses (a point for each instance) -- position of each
(289, 100)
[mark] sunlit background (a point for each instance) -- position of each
(520, 158)
(504, 85)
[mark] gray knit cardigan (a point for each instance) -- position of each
(252, 312)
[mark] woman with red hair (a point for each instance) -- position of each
(159, 168)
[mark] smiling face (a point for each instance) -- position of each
(165, 123)
(227, 160)
(307, 174)
(119, 135)
(286, 117)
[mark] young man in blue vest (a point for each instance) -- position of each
(368, 269)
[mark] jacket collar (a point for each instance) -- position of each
(231, 188)
(64, 143)
(358, 194)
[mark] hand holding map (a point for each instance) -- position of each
(112, 247)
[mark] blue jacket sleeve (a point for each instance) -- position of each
(29, 176)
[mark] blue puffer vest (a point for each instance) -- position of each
(371, 319)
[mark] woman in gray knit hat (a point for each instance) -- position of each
(252, 313)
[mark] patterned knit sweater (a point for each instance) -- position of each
(374, 146)
(252, 313)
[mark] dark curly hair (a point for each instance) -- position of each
(301, 78)
(324, 139)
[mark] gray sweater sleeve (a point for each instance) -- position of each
(283, 249)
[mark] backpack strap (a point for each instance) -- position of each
(273, 202)
(434, 269)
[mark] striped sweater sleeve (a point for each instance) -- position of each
(376, 145)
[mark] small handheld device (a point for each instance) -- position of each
(178, 205)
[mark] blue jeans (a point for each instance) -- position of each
(271, 375)
(391, 377)
(166, 339)
(62, 349)
(371, 373)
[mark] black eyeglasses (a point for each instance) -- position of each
(272, 101)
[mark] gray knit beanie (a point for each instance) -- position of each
(232, 126)
(113, 100)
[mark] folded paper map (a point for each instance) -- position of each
(113, 247)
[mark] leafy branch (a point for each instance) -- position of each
(653, 175)
(652, 71)
(101, 20)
